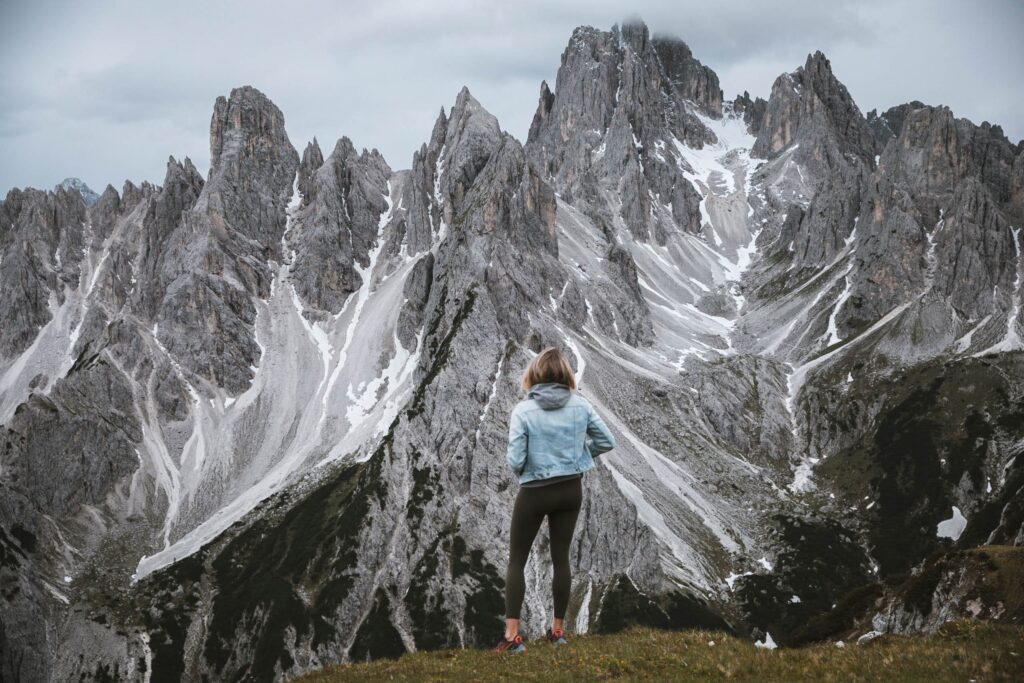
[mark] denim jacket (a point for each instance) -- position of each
(554, 432)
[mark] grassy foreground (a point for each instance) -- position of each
(959, 652)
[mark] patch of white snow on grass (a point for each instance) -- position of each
(954, 526)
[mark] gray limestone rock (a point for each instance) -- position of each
(335, 229)
(257, 420)
(43, 237)
(691, 79)
(215, 259)
(812, 107)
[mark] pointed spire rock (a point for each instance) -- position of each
(811, 105)
(546, 100)
(312, 160)
(131, 194)
(246, 118)
(471, 137)
(343, 199)
(752, 110)
(248, 141)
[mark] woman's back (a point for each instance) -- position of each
(552, 438)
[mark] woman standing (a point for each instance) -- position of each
(552, 437)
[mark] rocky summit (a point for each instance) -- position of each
(253, 423)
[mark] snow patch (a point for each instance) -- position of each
(954, 526)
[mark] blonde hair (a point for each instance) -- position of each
(550, 365)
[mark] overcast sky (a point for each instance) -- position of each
(108, 90)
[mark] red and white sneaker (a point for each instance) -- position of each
(515, 645)
(556, 637)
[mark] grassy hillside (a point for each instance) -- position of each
(959, 652)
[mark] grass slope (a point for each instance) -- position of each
(958, 652)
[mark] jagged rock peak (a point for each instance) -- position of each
(811, 103)
(312, 160)
(632, 32)
(345, 148)
(247, 113)
(131, 193)
(471, 136)
(935, 152)
(469, 116)
(691, 79)
(312, 156)
(751, 109)
(888, 124)
(181, 172)
(106, 208)
(109, 194)
(544, 104)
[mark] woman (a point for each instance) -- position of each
(552, 437)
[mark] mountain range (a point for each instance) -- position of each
(253, 423)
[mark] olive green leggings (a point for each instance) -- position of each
(560, 503)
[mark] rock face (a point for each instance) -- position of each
(252, 423)
(691, 79)
(810, 105)
(212, 268)
(334, 230)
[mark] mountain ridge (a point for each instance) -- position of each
(297, 340)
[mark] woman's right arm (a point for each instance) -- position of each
(516, 452)
(599, 439)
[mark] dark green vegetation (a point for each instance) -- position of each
(994, 574)
(991, 578)
(819, 563)
(377, 638)
(313, 549)
(277, 574)
(959, 652)
(932, 430)
(619, 605)
(933, 434)
(433, 626)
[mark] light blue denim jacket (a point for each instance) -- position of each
(554, 432)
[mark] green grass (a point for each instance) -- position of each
(959, 652)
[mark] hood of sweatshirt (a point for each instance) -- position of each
(549, 395)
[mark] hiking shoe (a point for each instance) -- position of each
(515, 645)
(556, 637)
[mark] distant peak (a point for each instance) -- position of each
(78, 185)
